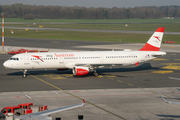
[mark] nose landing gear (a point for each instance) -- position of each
(24, 74)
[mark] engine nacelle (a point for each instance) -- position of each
(80, 71)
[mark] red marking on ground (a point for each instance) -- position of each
(17, 97)
(169, 41)
(75, 91)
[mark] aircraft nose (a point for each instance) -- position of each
(5, 64)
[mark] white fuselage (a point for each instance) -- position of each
(61, 60)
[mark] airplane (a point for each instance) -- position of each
(44, 114)
(83, 62)
(167, 101)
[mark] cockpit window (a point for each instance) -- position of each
(17, 59)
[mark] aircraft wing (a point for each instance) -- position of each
(166, 100)
(48, 112)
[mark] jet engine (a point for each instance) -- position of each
(80, 71)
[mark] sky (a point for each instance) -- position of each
(95, 3)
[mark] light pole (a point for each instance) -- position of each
(3, 32)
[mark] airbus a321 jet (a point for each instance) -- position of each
(84, 62)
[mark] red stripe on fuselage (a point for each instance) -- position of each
(38, 57)
(148, 47)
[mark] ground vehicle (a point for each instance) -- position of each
(9, 109)
(24, 108)
(13, 52)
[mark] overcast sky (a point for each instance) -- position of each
(95, 3)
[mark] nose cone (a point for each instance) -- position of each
(6, 64)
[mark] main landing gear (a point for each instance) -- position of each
(95, 74)
(24, 73)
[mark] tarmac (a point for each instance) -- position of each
(128, 93)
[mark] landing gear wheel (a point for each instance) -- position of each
(95, 74)
(24, 76)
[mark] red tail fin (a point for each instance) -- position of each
(154, 43)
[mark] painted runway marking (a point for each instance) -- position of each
(130, 84)
(173, 66)
(110, 76)
(55, 92)
(54, 76)
(162, 72)
(28, 96)
(100, 76)
(153, 92)
(159, 59)
(120, 81)
(75, 91)
(67, 75)
(166, 96)
(168, 47)
(77, 97)
(174, 78)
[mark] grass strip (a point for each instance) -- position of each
(87, 36)
(171, 27)
(91, 20)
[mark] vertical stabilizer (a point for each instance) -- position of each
(154, 43)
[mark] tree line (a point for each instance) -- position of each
(63, 12)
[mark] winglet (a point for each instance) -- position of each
(84, 102)
(162, 97)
